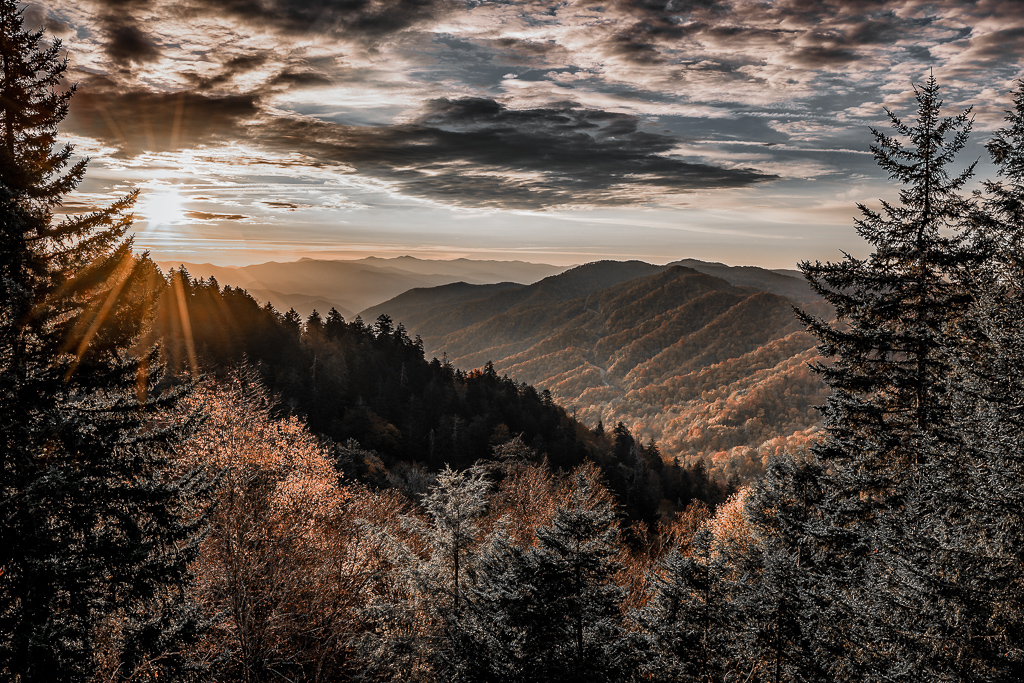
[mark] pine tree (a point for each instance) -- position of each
(690, 619)
(782, 623)
(454, 504)
(418, 623)
(552, 611)
(93, 549)
(985, 385)
(891, 498)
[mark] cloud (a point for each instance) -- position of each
(206, 216)
(351, 19)
(286, 206)
(136, 120)
(231, 68)
(127, 43)
(300, 77)
(36, 17)
(475, 152)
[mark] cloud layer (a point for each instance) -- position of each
(511, 105)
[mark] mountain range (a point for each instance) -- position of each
(352, 285)
(706, 359)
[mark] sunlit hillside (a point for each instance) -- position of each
(708, 369)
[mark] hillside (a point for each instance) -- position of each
(394, 417)
(709, 369)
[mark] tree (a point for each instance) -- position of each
(781, 623)
(891, 499)
(985, 387)
(552, 611)
(93, 545)
(689, 616)
(418, 627)
(283, 571)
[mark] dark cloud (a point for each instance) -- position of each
(234, 66)
(475, 152)
(139, 120)
(127, 43)
(530, 48)
(206, 216)
(352, 19)
(274, 204)
(875, 31)
(820, 56)
(300, 78)
(360, 20)
(807, 33)
(998, 47)
(36, 17)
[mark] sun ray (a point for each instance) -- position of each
(186, 323)
(120, 276)
(179, 112)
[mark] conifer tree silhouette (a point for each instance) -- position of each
(93, 549)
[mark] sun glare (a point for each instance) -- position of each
(162, 205)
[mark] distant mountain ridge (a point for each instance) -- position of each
(707, 359)
(788, 283)
(353, 285)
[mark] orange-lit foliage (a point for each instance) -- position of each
(284, 566)
(679, 531)
(523, 500)
(730, 527)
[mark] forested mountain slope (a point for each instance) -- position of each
(436, 311)
(394, 417)
(707, 368)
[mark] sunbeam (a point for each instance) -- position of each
(186, 322)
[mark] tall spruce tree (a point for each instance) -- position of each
(690, 620)
(552, 612)
(418, 622)
(891, 498)
(987, 384)
(781, 622)
(93, 550)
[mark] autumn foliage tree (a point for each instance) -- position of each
(282, 572)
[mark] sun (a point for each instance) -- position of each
(163, 205)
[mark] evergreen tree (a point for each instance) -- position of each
(892, 498)
(93, 549)
(418, 628)
(782, 623)
(690, 620)
(985, 384)
(453, 505)
(552, 611)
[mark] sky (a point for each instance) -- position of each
(560, 131)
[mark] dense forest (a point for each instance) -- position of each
(195, 487)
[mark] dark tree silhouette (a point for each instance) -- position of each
(895, 526)
(92, 546)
